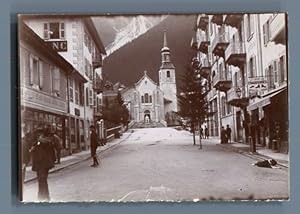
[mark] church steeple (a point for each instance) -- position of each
(165, 39)
(165, 54)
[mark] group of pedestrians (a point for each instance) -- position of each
(43, 148)
(205, 136)
(225, 134)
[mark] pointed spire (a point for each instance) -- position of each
(165, 38)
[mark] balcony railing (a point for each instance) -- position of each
(97, 60)
(205, 67)
(220, 43)
(278, 29)
(235, 53)
(202, 21)
(203, 43)
(233, 20)
(217, 19)
(222, 81)
(236, 96)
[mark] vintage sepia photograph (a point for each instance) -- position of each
(153, 108)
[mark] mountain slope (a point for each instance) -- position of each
(127, 64)
(116, 31)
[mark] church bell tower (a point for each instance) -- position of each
(167, 78)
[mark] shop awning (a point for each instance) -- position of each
(263, 101)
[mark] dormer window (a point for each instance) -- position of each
(54, 30)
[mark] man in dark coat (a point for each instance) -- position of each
(228, 134)
(223, 135)
(94, 145)
(43, 157)
(206, 132)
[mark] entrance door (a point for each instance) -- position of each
(147, 116)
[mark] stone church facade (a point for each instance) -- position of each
(148, 102)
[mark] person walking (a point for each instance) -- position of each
(223, 135)
(57, 147)
(206, 132)
(228, 134)
(201, 133)
(94, 145)
(43, 156)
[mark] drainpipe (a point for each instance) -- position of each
(68, 115)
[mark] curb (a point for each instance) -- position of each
(80, 160)
(255, 156)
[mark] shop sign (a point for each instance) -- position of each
(43, 99)
(59, 46)
(257, 84)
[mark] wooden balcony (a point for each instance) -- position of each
(236, 96)
(233, 20)
(205, 67)
(222, 81)
(235, 54)
(220, 43)
(98, 85)
(203, 43)
(278, 29)
(217, 19)
(202, 21)
(97, 60)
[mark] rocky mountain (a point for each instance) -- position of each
(127, 64)
(116, 31)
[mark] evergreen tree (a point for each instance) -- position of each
(192, 100)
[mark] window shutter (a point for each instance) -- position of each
(265, 33)
(62, 30)
(56, 80)
(46, 30)
(284, 66)
(91, 98)
(251, 24)
(254, 73)
(31, 70)
(41, 74)
(275, 68)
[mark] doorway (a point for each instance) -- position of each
(147, 117)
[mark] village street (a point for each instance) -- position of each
(162, 164)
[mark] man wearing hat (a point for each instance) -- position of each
(43, 157)
(94, 145)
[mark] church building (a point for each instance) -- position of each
(149, 102)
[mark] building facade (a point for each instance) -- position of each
(43, 81)
(145, 101)
(243, 58)
(77, 41)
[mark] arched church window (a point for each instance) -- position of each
(143, 99)
(150, 99)
(145, 82)
(168, 74)
(146, 98)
